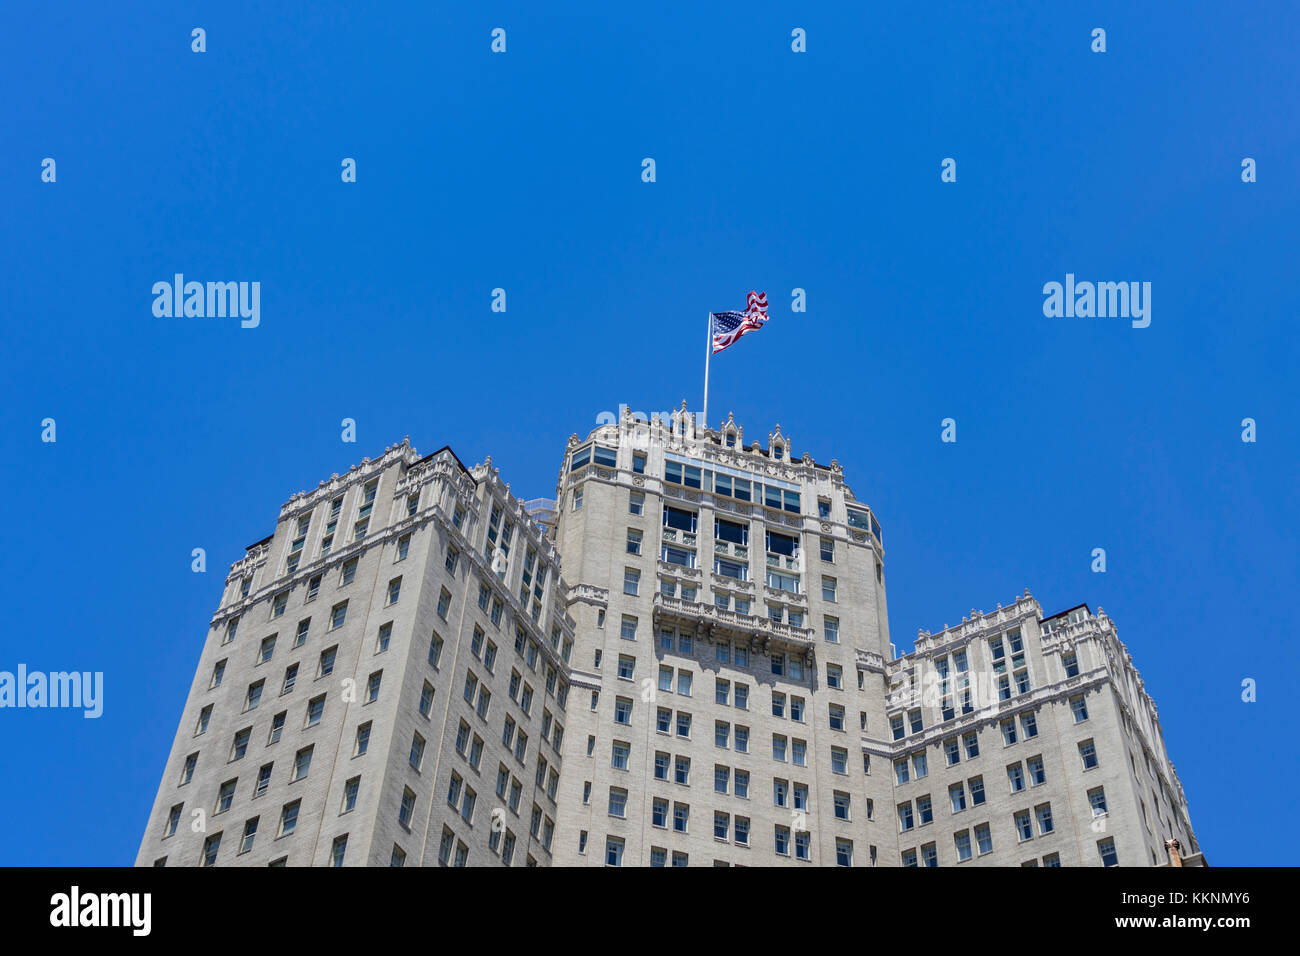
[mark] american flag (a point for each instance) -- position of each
(729, 326)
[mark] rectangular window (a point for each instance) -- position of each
(831, 629)
(1079, 708)
(1088, 754)
(1106, 849)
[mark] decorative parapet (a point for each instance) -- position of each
(870, 661)
(978, 625)
(588, 594)
(710, 616)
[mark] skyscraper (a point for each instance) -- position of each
(683, 660)
(384, 683)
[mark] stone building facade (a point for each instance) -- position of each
(384, 683)
(711, 682)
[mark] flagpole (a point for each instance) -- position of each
(707, 354)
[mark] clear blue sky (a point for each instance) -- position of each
(775, 170)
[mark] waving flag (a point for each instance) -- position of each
(727, 327)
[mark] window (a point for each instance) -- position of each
(1008, 732)
(897, 728)
(984, 838)
(444, 606)
(1088, 754)
(952, 751)
(906, 819)
(300, 637)
(350, 790)
(280, 602)
(1079, 708)
(961, 841)
(782, 840)
(901, 771)
(435, 650)
(802, 845)
(1097, 800)
(403, 548)
(225, 796)
(173, 820)
(828, 550)
(372, 686)
(636, 503)
(1037, 775)
(742, 739)
(1106, 849)
(254, 696)
(1029, 725)
(924, 810)
(250, 832)
(957, 794)
(732, 532)
(839, 760)
(631, 585)
(831, 629)
(266, 650)
(1043, 814)
(301, 763)
(976, 790)
(842, 803)
(277, 726)
(613, 851)
(338, 615)
(835, 680)
(210, 847)
(417, 752)
(362, 739)
(682, 770)
(619, 755)
(406, 810)
(681, 817)
(972, 744)
(218, 672)
(315, 709)
(1016, 775)
(828, 589)
(627, 628)
(617, 802)
(289, 817)
(721, 779)
(1071, 663)
(338, 849)
(622, 710)
(633, 541)
(1023, 826)
(836, 717)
